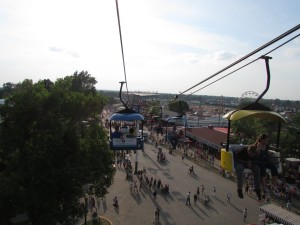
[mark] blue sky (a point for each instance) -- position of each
(169, 45)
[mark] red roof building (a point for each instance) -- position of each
(212, 137)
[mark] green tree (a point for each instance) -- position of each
(248, 129)
(6, 89)
(180, 107)
(52, 144)
(291, 138)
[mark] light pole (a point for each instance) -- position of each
(185, 137)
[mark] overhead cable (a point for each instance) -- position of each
(185, 96)
(123, 58)
(245, 57)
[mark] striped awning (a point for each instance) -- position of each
(280, 214)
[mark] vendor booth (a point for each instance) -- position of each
(278, 214)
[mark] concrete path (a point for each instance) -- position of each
(138, 208)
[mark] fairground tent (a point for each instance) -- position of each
(280, 214)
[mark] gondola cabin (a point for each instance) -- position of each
(126, 130)
(253, 110)
(228, 158)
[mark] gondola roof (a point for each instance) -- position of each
(126, 115)
(255, 110)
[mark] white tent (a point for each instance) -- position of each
(280, 214)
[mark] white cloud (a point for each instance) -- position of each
(225, 55)
(56, 49)
(292, 52)
(168, 46)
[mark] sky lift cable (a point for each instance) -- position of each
(185, 96)
(123, 58)
(243, 58)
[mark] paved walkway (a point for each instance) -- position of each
(138, 207)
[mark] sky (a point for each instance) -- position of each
(169, 45)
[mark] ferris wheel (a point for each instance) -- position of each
(248, 96)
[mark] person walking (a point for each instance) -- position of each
(135, 187)
(229, 197)
(141, 186)
(154, 194)
(156, 216)
(214, 191)
(202, 189)
(198, 191)
(195, 198)
(288, 205)
(131, 186)
(158, 183)
(190, 170)
(245, 212)
(188, 198)
(247, 189)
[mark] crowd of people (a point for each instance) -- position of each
(161, 156)
(255, 157)
(123, 160)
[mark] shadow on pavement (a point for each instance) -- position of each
(236, 208)
(195, 212)
(219, 200)
(136, 196)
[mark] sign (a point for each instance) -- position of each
(126, 142)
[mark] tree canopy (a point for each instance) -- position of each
(180, 107)
(52, 144)
(248, 129)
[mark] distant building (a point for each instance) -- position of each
(209, 137)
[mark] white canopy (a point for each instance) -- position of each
(280, 214)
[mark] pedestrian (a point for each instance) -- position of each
(229, 197)
(93, 204)
(158, 183)
(154, 183)
(182, 157)
(245, 212)
(154, 194)
(156, 216)
(214, 191)
(198, 191)
(188, 198)
(150, 183)
(190, 170)
(195, 198)
(86, 202)
(288, 205)
(268, 198)
(202, 189)
(135, 187)
(131, 186)
(247, 188)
